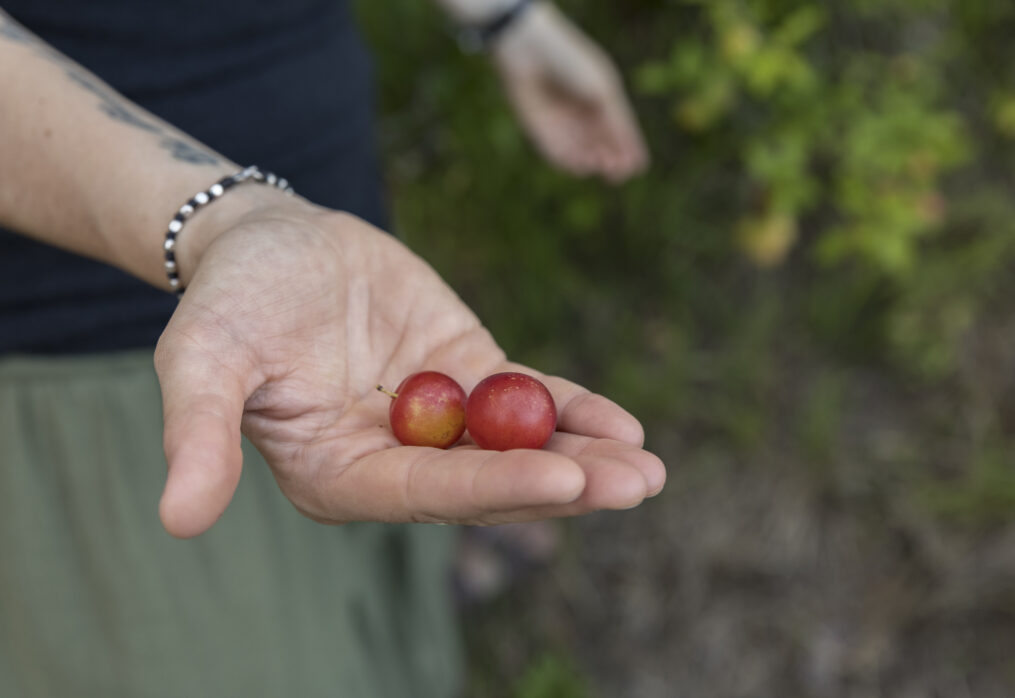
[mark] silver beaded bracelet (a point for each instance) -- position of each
(202, 199)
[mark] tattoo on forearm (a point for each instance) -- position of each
(111, 103)
(117, 108)
(188, 152)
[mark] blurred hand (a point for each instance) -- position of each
(569, 97)
(293, 316)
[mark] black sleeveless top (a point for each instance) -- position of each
(283, 84)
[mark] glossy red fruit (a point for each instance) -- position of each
(510, 410)
(428, 409)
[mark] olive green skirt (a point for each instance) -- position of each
(97, 600)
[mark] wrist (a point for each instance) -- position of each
(490, 24)
(526, 32)
(240, 203)
(471, 12)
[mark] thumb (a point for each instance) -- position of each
(202, 406)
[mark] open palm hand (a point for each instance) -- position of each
(292, 318)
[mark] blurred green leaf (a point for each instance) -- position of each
(551, 677)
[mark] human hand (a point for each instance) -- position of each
(293, 316)
(569, 97)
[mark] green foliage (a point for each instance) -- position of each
(551, 677)
(983, 496)
(862, 135)
(819, 420)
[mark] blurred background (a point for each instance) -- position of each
(808, 301)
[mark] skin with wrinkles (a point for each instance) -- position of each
(293, 317)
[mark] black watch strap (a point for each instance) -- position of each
(477, 38)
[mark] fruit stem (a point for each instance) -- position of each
(386, 392)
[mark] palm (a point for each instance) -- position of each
(310, 314)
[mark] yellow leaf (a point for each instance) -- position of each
(767, 239)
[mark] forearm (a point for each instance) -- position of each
(86, 170)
